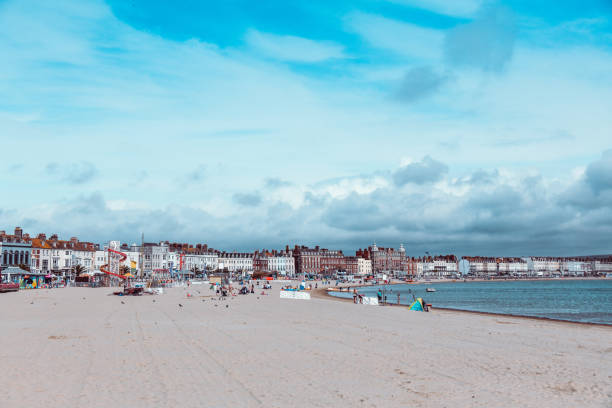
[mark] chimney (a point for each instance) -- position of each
(74, 239)
(18, 232)
(42, 236)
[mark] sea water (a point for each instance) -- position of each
(588, 301)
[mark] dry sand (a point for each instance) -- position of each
(79, 347)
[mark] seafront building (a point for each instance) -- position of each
(601, 264)
(569, 266)
(155, 257)
(196, 258)
(385, 260)
(44, 255)
(60, 257)
(364, 267)
(318, 260)
(276, 262)
(15, 249)
(487, 267)
(233, 262)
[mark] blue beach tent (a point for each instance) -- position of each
(417, 305)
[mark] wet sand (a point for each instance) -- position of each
(79, 347)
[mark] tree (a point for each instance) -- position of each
(78, 269)
(24, 267)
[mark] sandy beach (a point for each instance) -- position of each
(80, 347)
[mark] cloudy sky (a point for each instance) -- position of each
(464, 126)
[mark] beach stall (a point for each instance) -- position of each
(26, 279)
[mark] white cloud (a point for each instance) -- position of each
(293, 49)
(456, 8)
(405, 39)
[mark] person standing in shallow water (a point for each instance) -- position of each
(355, 295)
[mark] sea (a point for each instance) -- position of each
(585, 301)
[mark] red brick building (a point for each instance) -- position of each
(351, 265)
(385, 259)
(318, 260)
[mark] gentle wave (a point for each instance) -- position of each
(585, 301)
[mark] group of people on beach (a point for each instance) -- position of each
(358, 297)
(229, 290)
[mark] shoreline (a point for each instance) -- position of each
(317, 293)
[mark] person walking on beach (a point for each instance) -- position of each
(379, 295)
(355, 295)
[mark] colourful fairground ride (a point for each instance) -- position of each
(112, 268)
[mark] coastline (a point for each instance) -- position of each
(324, 294)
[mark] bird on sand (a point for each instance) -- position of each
(180, 305)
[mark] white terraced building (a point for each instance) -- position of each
(204, 261)
(364, 267)
(284, 264)
(236, 262)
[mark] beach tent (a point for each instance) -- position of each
(417, 305)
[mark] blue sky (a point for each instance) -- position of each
(474, 127)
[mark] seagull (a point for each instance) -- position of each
(122, 302)
(226, 306)
(180, 305)
(32, 302)
(153, 300)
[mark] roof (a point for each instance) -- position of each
(13, 270)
